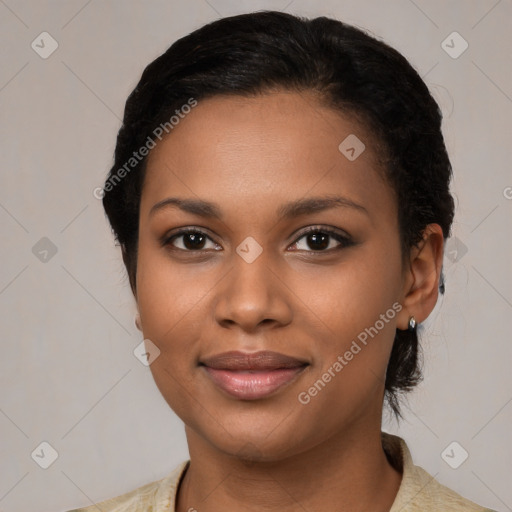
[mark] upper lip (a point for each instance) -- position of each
(263, 360)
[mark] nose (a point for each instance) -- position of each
(252, 296)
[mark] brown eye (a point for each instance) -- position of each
(191, 240)
(322, 240)
(318, 241)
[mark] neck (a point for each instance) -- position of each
(349, 471)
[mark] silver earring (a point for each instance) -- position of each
(412, 324)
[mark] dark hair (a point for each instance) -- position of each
(350, 71)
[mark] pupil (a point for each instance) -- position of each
(319, 238)
(195, 239)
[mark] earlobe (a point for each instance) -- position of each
(137, 322)
(421, 288)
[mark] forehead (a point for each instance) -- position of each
(270, 148)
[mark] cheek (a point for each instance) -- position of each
(359, 304)
(352, 359)
(167, 292)
(170, 298)
(356, 294)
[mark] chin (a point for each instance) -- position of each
(259, 440)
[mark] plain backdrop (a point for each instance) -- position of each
(69, 377)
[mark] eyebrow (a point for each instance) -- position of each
(289, 210)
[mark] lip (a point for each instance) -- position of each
(252, 376)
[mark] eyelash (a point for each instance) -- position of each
(344, 241)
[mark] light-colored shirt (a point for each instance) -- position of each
(418, 492)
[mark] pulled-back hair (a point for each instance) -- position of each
(349, 71)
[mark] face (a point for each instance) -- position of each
(269, 264)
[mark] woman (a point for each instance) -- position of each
(280, 194)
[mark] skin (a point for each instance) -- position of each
(251, 155)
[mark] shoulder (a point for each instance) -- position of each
(437, 496)
(158, 496)
(420, 491)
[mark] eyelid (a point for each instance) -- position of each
(323, 229)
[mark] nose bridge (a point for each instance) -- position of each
(251, 293)
(252, 271)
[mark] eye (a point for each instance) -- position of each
(192, 240)
(321, 240)
(317, 238)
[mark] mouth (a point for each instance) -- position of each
(252, 376)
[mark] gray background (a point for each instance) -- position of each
(68, 375)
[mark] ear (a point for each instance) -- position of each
(421, 279)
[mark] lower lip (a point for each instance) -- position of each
(252, 385)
